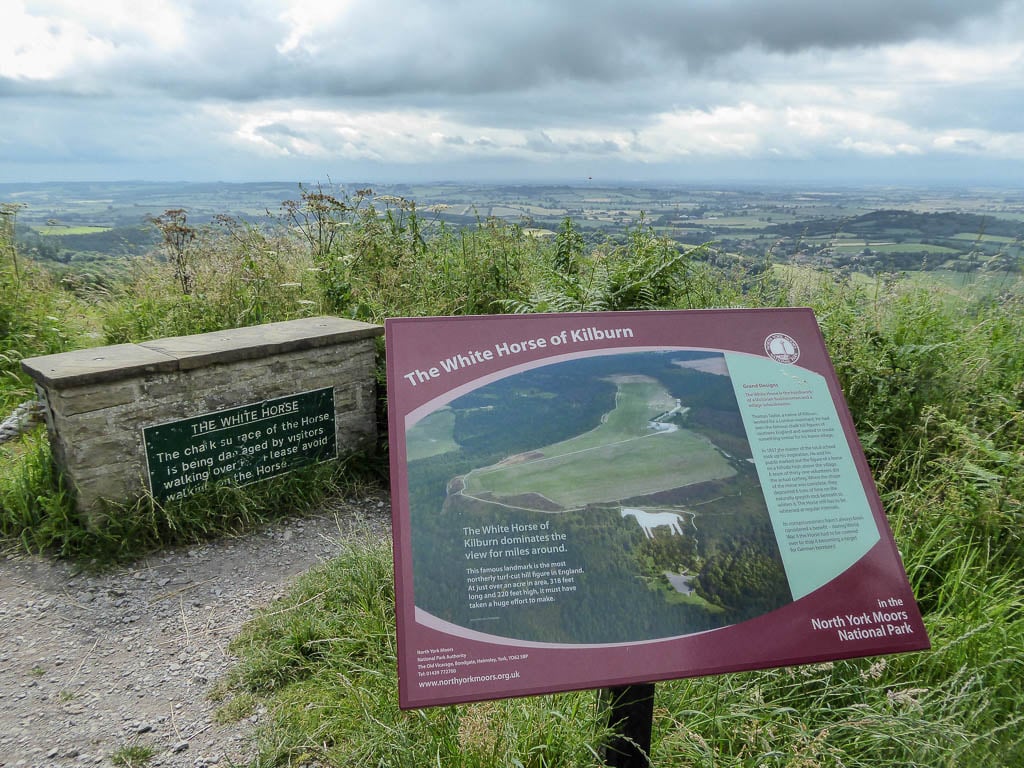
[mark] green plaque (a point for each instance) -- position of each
(240, 445)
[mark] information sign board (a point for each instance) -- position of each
(594, 500)
(241, 445)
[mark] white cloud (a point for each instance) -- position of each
(980, 143)
(74, 37)
(877, 148)
(413, 82)
(745, 131)
(305, 19)
(930, 62)
(37, 48)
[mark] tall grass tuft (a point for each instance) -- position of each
(390, 259)
(33, 505)
(34, 314)
(38, 513)
(239, 275)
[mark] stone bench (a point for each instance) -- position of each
(130, 419)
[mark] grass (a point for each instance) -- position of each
(322, 661)
(432, 435)
(133, 756)
(39, 514)
(69, 229)
(575, 472)
(974, 237)
(969, 285)
(944, 283)
(891, 247)
(576, 477)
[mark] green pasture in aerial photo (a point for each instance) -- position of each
(624, 456)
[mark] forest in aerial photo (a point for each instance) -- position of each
(631, 471)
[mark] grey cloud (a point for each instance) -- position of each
(984, 106)
(535, 66)
(435, 50)
(604, 147)
(966, 145)
(459, 48)
(795, 25)
(101, 130)
(271, 130)
(542, 143)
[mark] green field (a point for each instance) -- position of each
(890, 247)
(61, 229)
(945, 282)
(620, 459)
(856, 244)
(431, 436)
(972, 285)
(983, 238)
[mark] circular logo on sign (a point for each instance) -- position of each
(782, 348)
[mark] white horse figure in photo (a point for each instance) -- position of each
(650, 520)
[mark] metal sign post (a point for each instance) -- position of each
(631, 718)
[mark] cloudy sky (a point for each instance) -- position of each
(859, 91)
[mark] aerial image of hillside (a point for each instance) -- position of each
(629, 475)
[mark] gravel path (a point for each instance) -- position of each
(91, 664)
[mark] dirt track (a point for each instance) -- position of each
(92, 663)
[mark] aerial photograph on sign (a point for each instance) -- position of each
(601, 499)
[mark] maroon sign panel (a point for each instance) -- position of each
(588, 500)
